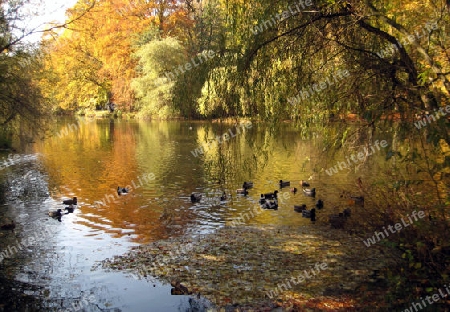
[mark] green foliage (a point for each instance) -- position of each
(20, 100)
(159, 62)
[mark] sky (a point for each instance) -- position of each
(42, 12)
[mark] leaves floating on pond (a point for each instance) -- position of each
(251, 265)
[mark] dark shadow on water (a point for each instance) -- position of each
(13, 296)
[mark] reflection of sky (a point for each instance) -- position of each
(41, 13)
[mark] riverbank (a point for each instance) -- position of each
(262, 267)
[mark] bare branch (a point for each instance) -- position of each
(49, 29)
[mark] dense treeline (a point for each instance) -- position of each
(142, 56)
(229, 58)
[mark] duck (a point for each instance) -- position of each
(223, 197)
(72, 201)
(299, 208)
(9, 226)
(309, 192)
(270, 204)
(122, 190)
(242, 191)
(262, 199)
(69, 209)
(273, 195)
(319, 204)
(247, 185)
(312, 214)
(306, 213)
(196, 197)
(55, 214)
(304, 183)
(294, 190)
(284, 183)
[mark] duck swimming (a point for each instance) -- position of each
(223, 197)
(247, 185)
(299, 208)
(310, 192)
(264, 197)
(270, 204)
(319, 204)
(72, 201)
(294, 190)
(242, 191)
(55, 214)
(9, 226)
(122, 190)
(284, 183)
(304, 183)
(196, 197)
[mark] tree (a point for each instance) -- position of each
(23, 109)
(97, 50)
(20, 100)
(270, 57)
(158, 60)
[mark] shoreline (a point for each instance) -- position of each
(239, 266)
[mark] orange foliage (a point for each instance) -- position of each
(95, 53)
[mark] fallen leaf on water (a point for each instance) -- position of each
(243, 264)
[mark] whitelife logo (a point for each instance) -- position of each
(319, 87)
(361, 156)
(296, 280)
(427, 119)
(223, 138)
(281, 16)
(378, 236)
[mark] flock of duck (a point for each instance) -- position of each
(70, 203)
(267, 201)
(58, 213)
(270, 200)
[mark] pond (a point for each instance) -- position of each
(162, 163)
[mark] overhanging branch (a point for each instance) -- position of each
(253, 52)
(49, 29)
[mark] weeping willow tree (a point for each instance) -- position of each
(396, 58)
(384, 64)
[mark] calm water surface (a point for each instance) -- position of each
(90, 159)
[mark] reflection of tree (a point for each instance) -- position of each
(3, 190)
(243, 156)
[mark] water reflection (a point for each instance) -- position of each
(184, 157)
(90, 160)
